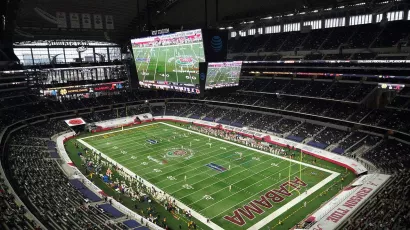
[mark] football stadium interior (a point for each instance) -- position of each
(204, 114)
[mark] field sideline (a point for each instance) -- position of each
(200, 175)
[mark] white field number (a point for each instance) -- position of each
(157, 170)
(187, 186)
(171, 178)
(144, 163)
(208, 197)
(256, 158)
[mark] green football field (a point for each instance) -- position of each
(233, 185)
(173, 63)
(227, 75)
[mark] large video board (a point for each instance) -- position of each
(223, 74)
(169, 61)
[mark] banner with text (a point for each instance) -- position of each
(86, 19)
(75, 20)
(337, 210)
(61, 19)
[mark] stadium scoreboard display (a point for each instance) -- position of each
(223, 74)
(171, 61)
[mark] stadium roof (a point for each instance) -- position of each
(37, 19)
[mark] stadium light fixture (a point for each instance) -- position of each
(267, 18)
(222, 28)
(229, 27)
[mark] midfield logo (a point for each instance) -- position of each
(266, 201)
(179, 153)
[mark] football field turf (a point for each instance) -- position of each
(173, 63)
(209, 175)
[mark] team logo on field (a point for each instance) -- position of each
(179, 153)
(185, 60)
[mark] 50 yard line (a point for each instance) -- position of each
(229, 143)
(166, 63)
(156, 65)
(175, 63)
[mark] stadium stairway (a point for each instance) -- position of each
(331, 147)
(370, 166)
(312, 138)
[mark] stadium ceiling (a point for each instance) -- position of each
(38, 19)
(190, 13)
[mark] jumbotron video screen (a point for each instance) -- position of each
(170, 61)
(223, 74)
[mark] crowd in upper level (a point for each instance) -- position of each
(368, 36)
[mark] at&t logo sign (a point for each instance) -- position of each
(216, 44)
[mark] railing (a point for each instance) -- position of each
(66, 159)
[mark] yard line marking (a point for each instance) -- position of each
(175, 64)
(156, 65)
(144, 155)
(147, 183)
(270, 185)
(292, 203)
(213, 156)
(318, 185)
(187, 67)
(222, 180)
(165, 173)
(256, 150)
(227, 177)
(178, 169)
(137, 127)
(166, 63)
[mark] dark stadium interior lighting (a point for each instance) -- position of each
(212, 114)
